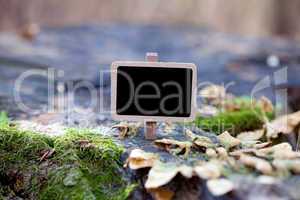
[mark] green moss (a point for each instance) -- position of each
(4, 122)
(233, 122)
(85, 165)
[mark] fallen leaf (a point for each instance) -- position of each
(209, 170)
(240, 152)
(254, 144)
(174, 146)
(248, 143)
(261, 145)
(228, 141)
(282, 151)
(259, 164)
(47, 154)
(251, 135)
(230, 106)
(278, 147)
(222, 153)
(162, 173)
(219, 187)
(161, 194)
(198, 140)
(211, 153)
(291, 165)
(284, 124)
(186, 171)
(127, 129)
(265, 104)
(141, 159)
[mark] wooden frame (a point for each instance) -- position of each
(114, 68)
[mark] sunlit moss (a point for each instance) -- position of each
(85, 165)
(233, 122)
(4, 122)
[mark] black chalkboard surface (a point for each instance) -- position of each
(154, 91)
(150, 90)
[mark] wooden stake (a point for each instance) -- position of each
(150, 130)
(150, 127)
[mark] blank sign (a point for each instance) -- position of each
(156, 91)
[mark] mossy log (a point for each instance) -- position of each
(234, 122)
(78, 165)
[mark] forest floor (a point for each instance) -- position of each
(235, 149)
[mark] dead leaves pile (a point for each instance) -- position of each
(215, 98)
(199, 141)
(127, 129)
(283, 125)
(174, 146)
(253, 151)
(140, 159)
(248, 152)
(228, 141)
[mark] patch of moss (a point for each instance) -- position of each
(233, 122)
(4, 122)
(84, 165)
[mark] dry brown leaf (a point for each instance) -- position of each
(161, 193)
(227, 140)
(232, 162)
(209, 170)
(127, 129)
(211, 153)
(278, 147)
(281, 151)
(220, 186)
(265, 104)
(198, 140)
(213, 94)
(47, 154)
(286, 154)
(230, 106)
(259, 164)
(282, 146)
(174, 146)
(254, 144)
(284, 124)
(261, 145)
(248, 144)
(141, 159)
(186, 171)
(162, 173)
(242, 151)
(251, 135)
(222, 153)
(291, 165)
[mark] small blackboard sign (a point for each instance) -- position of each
(153, 91)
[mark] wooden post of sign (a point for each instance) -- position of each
(150, 126)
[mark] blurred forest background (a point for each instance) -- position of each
(253, 17)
